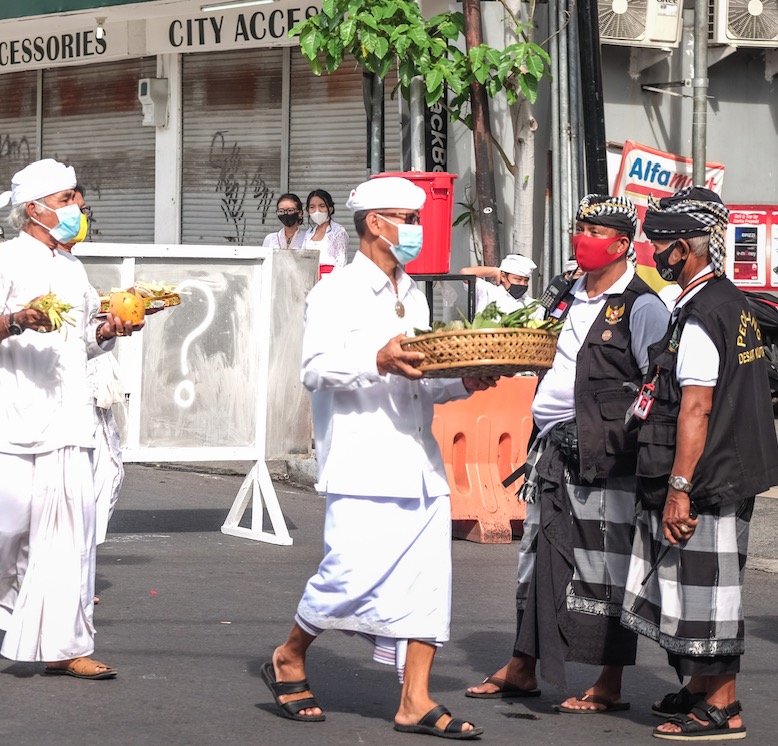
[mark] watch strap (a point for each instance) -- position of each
(13, 327)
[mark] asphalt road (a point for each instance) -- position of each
(189, 615)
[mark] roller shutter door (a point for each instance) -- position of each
(328, 133)
(18, 142)
(92, 121)
(232, 135)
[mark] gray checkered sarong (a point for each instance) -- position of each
(692, 605)
(573, 559)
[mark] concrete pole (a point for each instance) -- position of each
(416, 111)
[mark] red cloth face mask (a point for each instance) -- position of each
(591, 253)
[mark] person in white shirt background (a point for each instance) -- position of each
(507, 285)
(47, 422)
(386, 572)
(325, 235)
(107, 389)
(289, 210)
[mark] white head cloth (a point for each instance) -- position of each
(386, 192)
(38, 180)
(516, 264)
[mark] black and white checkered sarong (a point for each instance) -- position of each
(692, 605)
(603, 517)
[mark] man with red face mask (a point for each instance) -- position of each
(580, 473)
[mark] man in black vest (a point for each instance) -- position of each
(707, 446)
(580, 481)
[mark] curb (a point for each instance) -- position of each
(298, 472)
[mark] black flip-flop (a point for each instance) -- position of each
(505, 690)
(608, 705)
(427, 726)
(291, 709)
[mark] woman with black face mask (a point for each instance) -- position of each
(289, 210)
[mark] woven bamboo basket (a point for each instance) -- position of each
(483, 352)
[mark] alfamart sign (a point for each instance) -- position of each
(76, 40)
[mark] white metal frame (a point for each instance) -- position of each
(257, 487)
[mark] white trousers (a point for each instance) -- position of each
(47, 555)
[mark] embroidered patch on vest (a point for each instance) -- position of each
(614, 314)
(606, 335)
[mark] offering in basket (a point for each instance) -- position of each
(493, 344)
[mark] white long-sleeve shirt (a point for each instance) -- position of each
(45, 402)
(373, 432)
(332, 248)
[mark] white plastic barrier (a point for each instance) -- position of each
(216, 378)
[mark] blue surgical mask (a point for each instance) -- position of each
(69, 225)
(409, 240)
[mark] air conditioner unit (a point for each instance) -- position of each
(641, 23)
(744, 23)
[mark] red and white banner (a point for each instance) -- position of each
(645, 171)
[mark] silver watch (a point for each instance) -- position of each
(680, 484)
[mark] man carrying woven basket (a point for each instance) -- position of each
(580, 473)
(386, 572)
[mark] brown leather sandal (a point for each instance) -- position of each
(82, 668)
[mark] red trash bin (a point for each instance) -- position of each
(436, 217)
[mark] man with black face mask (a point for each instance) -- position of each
(512, 283)
(707, 446)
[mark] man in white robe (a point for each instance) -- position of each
(47, 508)
(386, 572)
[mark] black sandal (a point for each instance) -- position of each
(677, 703)
(714, 725)
(290, 709)
(428, 726)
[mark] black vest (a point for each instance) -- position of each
(604, 363)
(740, 457)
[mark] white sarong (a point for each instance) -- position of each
(47, 555)
(385, 575)
(108, 470)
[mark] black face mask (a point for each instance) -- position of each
(668, 272)
(289, 220)
(517, 290)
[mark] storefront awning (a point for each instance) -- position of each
(46, 7)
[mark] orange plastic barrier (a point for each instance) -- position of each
(483, 439)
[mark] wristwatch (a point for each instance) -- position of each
(13, 327)
(680, 484)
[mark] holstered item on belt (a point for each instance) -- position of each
(565, 436)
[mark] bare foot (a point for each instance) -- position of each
(516, 672)
(289, 669)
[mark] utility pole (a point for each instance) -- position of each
(700, 92)
(591, 90)
(482, 146)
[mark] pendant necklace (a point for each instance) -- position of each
(399, 308)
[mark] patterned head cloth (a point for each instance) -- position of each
(610, 212)
(694, 211)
